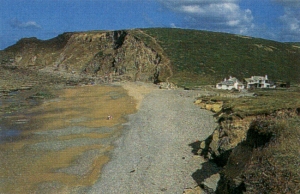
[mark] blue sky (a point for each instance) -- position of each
(270, 19)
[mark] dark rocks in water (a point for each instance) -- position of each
(41, 95)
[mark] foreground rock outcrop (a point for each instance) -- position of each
(248, 148)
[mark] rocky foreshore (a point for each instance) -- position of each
(248, 148)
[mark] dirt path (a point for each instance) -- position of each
(153, 155)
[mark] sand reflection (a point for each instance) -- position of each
(66, 141)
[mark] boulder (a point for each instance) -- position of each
(196, 190)
(198, 101)
(215, 107)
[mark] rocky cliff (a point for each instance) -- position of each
(187, 58)
(105, 55)
(257, 153)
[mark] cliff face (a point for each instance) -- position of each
(187, 58)
(108, 56)
(257, 153)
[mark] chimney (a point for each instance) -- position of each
(266, 77)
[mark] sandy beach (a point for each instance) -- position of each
(70, 146)
(153, 154)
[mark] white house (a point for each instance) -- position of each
(231, 83)
(258, 82)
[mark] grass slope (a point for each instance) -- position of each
(273, 167)
(195, 57)
(201, 57)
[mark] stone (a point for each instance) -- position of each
(167, 85)
(202, 105)
(196, 190)
(214, 145)
(216, 107)
(198, 101)
(212, 181)
(202, 145)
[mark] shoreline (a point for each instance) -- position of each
(153, 154)
(69, 151)
(140, 146)
(137, 90)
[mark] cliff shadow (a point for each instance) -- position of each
(208, 169)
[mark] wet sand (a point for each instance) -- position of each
(153, 154)
(64, 142)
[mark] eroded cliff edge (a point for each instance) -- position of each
(105, 55)
(257, 146)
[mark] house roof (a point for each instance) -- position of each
(258, 78)
(230, 82)
(255, 78)
(247, 79)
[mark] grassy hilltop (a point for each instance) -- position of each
(185, 57)
(201, 57)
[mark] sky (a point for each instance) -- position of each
(277, 20)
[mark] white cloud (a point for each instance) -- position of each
(219, 15)
(290, 20)
(291, 24)
(172, 25)
(15, 23)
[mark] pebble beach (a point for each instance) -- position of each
(67, 144)
(153, 153)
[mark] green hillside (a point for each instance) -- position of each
(185, 57)
(201, 57)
